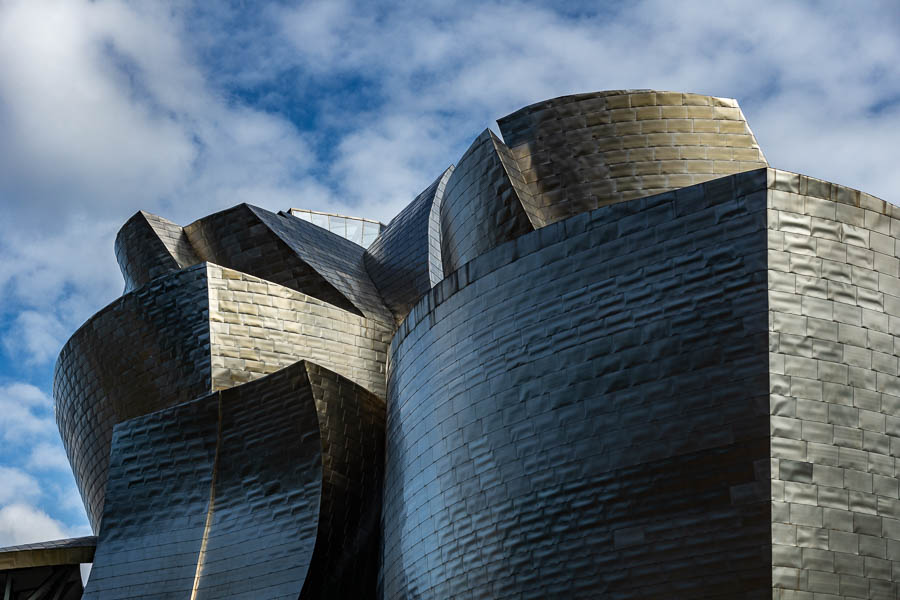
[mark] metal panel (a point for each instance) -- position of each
(835, 392)
(586, 150)
(404, 260)
(259, 491)
(184, 335)
(291, 252)
(148, 246)
(582, 412)
(146, 351)
(485, 203)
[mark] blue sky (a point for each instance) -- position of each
(184, 108)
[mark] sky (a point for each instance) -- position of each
(184, 108)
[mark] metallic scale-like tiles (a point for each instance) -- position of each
(582, 412)
(259, 491)
(484, 204)
(146, 351)
(291, 252)
(834, 376)
(689, 395)
(611, 355)
(405, 260)
(586, 150)
(257, 327)
(188, 333)
(148, 246)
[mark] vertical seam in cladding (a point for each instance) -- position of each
(201, 557)
(209, 324)
(436, 274)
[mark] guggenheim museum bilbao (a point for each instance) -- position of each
(612, 355)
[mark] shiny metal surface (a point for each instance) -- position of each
(484, 203)
(621, 358)
(405, 260)
(148, 246)
(291, 252)
(188, 333)
(586, 150)
(260, 491)
(71, 551)
(834, 314)
(146, 351)
(257, 327)
(582, 412)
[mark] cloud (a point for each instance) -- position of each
(34, 337)
(17, 486)
(105, 110)
(433, 76)
(71, 113)
(25, 414)
(22, 523)
(49, 457)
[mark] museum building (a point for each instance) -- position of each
(612, 355)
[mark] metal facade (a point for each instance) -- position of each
(613, 355)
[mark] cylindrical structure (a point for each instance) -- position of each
(570, 413)
(404, 261)
(484, 204)
(146, 351)
(185, 334)
(586, 150)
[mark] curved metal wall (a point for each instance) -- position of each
(158, 496)
(351, 421)
(148, 246)
(600, 382)
(257, 327)
(582, 412)
(404, 260)
(185, 334)
(146, 351)
(259, 491)
(485, 203)
(141, 255)
(291, 252)
(587, 150)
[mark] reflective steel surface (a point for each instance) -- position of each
(185, 334)
(582, 412)
(613, 355)
(484, 203)
(405, 260)
(586, 150)
(258, 491)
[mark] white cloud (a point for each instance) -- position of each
(105, 111)
(21, 523)
(442, 73)
(72, 114)
(17, 486)
(26, 395)
(25, 414)
(34, 337)
(108, 112)
(49, 457)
